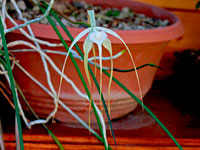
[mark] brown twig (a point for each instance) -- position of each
(7, 98)
(5, 88)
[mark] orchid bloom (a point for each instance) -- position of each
(98, 35)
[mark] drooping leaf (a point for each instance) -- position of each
(145, 108)
(133, 69)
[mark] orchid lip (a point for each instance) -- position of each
(98, 37)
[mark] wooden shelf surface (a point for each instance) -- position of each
(136, 131)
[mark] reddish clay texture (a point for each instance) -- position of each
(147, 46)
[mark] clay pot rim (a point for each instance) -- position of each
(173, 31)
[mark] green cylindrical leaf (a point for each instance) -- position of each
(12, 84)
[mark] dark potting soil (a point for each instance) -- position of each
(113, 18)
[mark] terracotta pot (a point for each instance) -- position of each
(147, 46)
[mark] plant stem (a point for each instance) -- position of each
(12, 83)
(89, 68)
(79, 73)
(145, 108)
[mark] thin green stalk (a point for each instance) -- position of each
(12, 83)
(37, 117)
(129, 70)
(89, 68)
(145, 108)
(78, 71)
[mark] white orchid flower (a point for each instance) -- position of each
(98, 35)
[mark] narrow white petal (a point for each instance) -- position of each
(117, 36)
(87, 46)
(78, 37)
